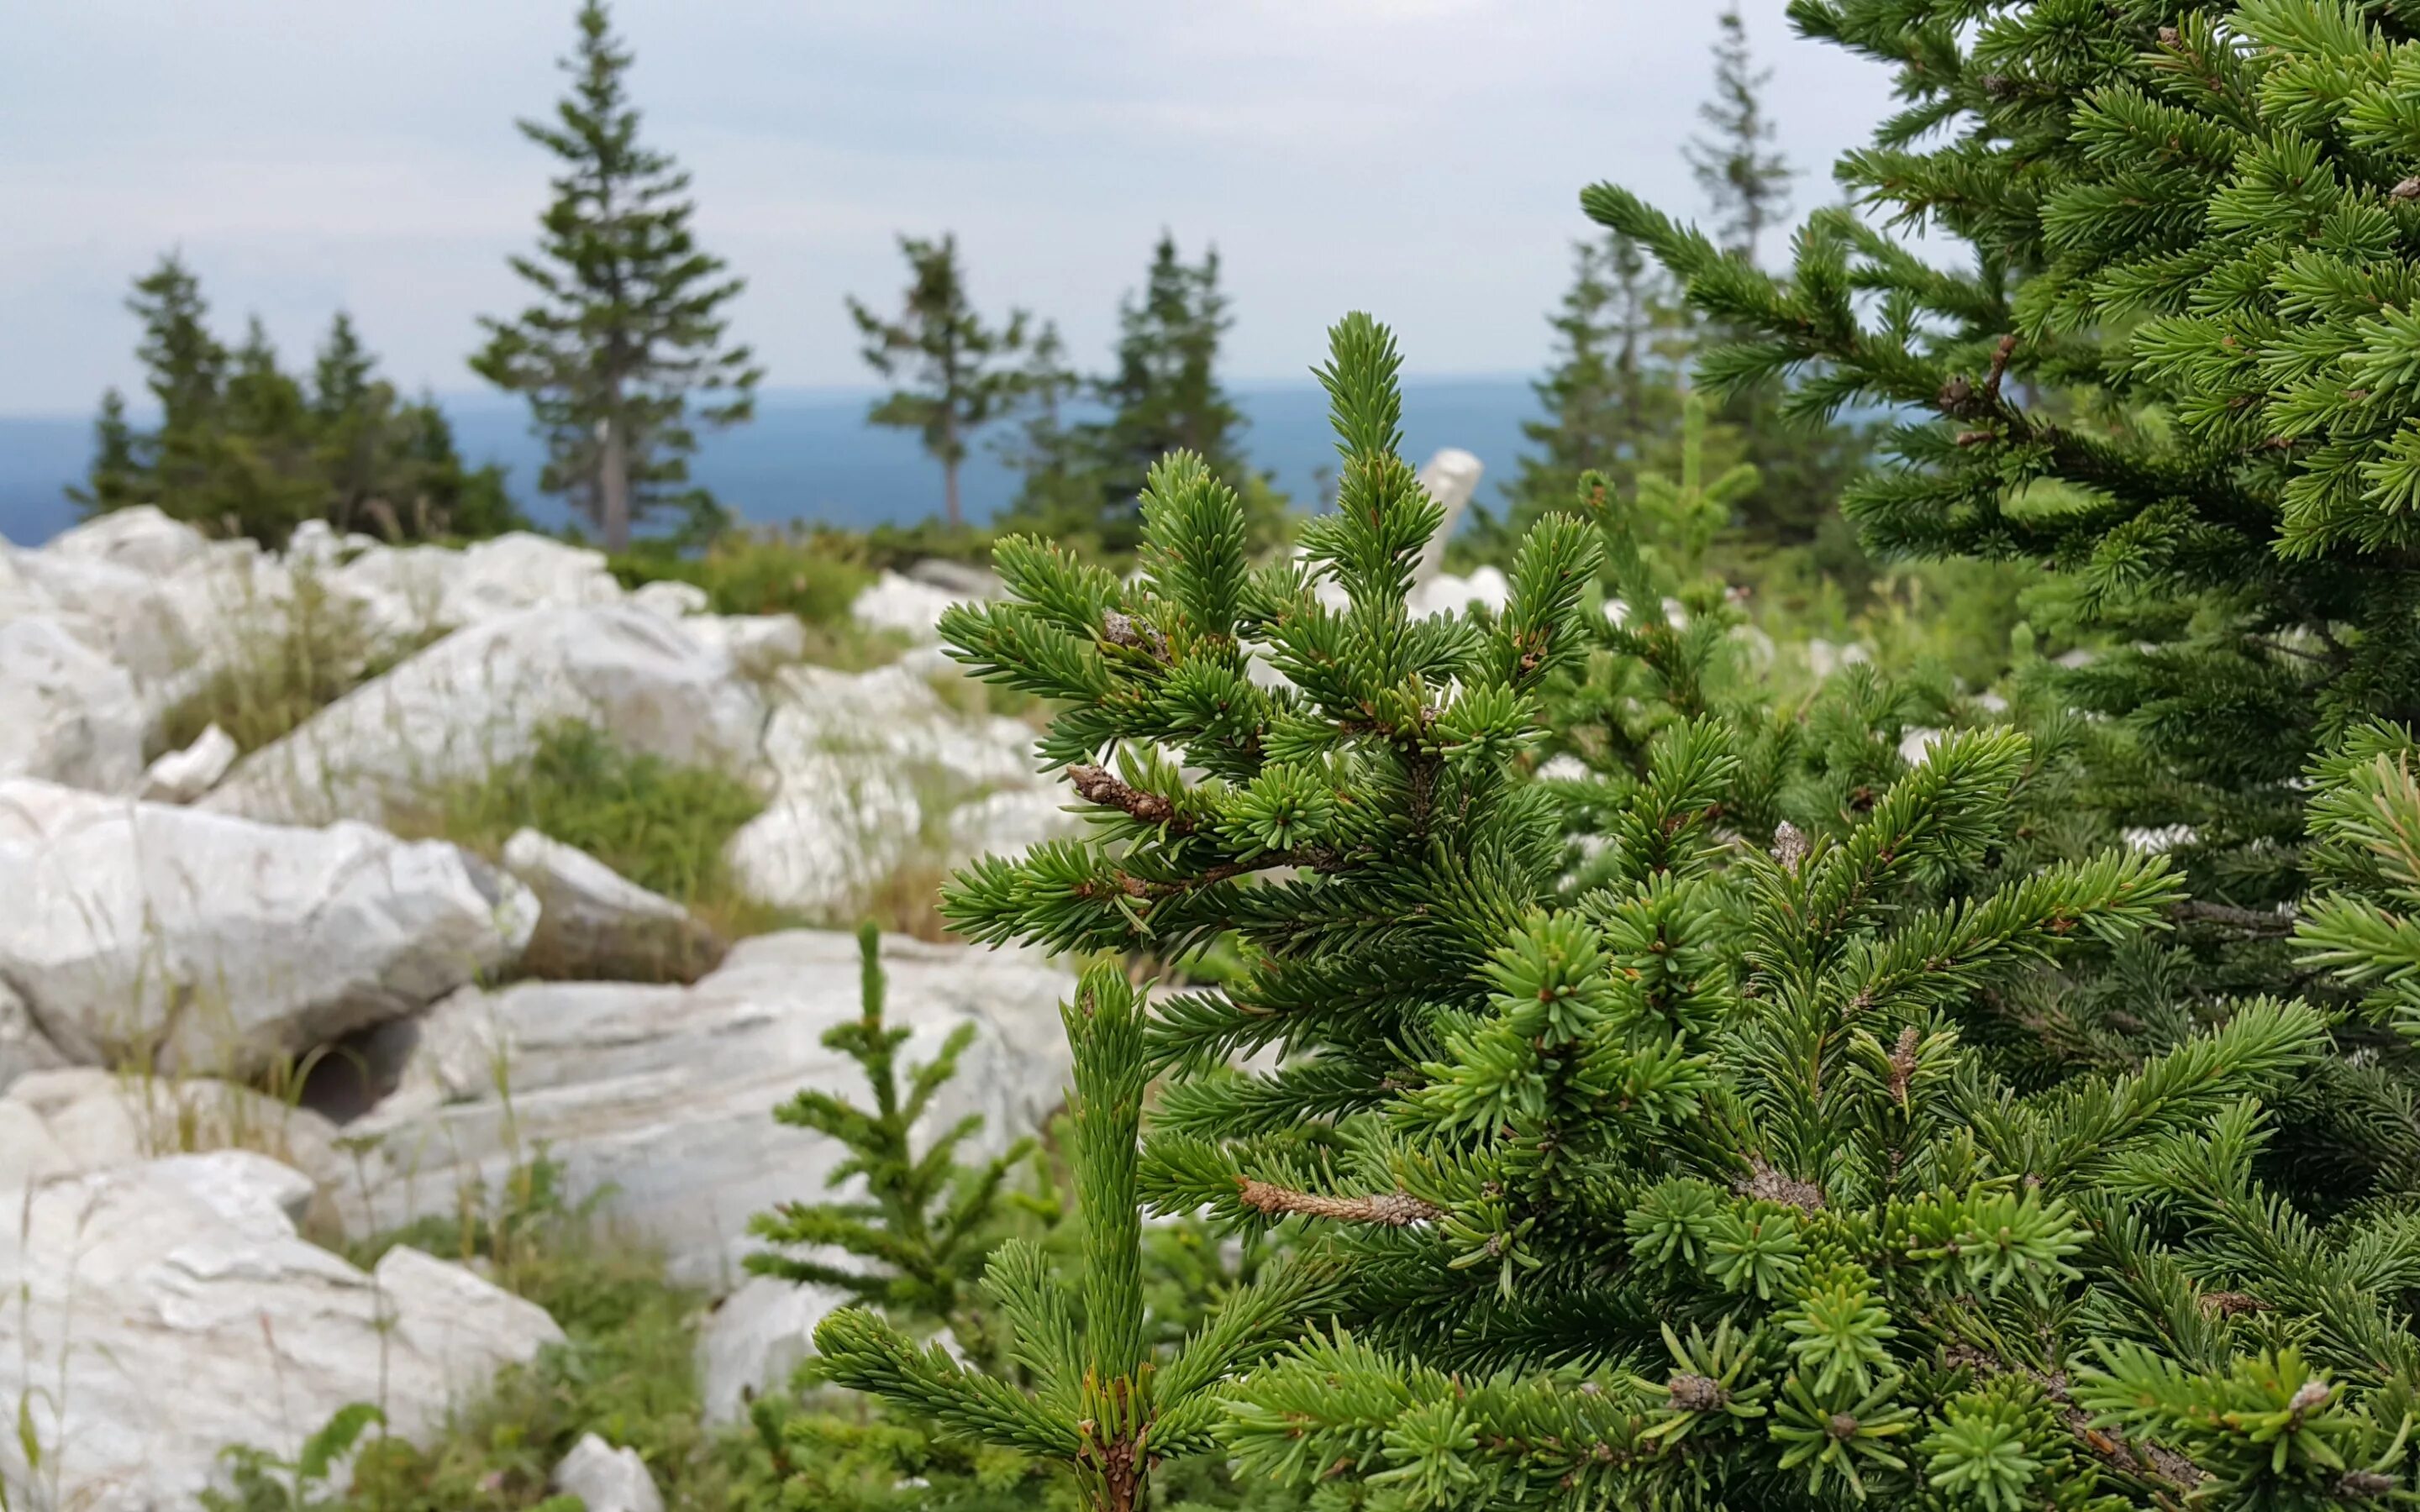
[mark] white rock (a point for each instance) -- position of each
(607, 1479)
(205, 942)
(19, 596)
(2161, 840)
(415, 590)
(862, 763)
(68, 714)
(122, 611)
(477, 700)
(671, 598)
(964, 579)
(757, 644)
(141, 538)
(1449, 594)
(836, 829)
(1450, 477)
(663, 1095)
(1010, 822)
(894, 713)
(315, 542)
(594, 922)
(1824, 658)
(182, 1314)
(892, 602)
(99, 1120)
(756, 1340)
(182, 776)
(24, 1046)
(1563, 767)
(1914, 742)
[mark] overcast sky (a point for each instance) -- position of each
(1420, 158)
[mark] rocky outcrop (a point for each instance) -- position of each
(595, 923)
(665, 1093)
(68, 714)
(477, 700)
(161, 1312)
(148, 934)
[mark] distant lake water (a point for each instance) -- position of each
(812, 456)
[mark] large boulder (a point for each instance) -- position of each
(903, 605)
(196, 941)
(141, 538)
(477, 700)
(161, 1313)
(868, 770)
(662, 1096)
(415, 590)
(68, 714)
(19, 596)
(594, 922)
(170, 617)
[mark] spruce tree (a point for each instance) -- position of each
(1162, 388)
(1103, 1402)
(1614, 391)
(264, 473)
(184, 366)
(113, 481)
(1685, 1187)
(1162, 393)
(947, 356)
(243, 446)
(925, 1219)
(1743, 173)
(2181, 324)
(341, 372)
(624, 352)
(1045, 448)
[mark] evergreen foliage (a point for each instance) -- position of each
(243, 447)
(1161, 394)
(1744, 175)
(1104, 1403)
(925, 1221)
(947, 354)
(1613, 391)
(1694, 1178)
(628, 328)
(2181, 325)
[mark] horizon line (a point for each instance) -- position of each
(825, 393)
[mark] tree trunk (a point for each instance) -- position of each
(613, 490)
(950, 492)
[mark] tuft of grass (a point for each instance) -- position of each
(627, 1369)
(289, 658)
(660, 824)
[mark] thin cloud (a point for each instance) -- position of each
(1418, 158)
